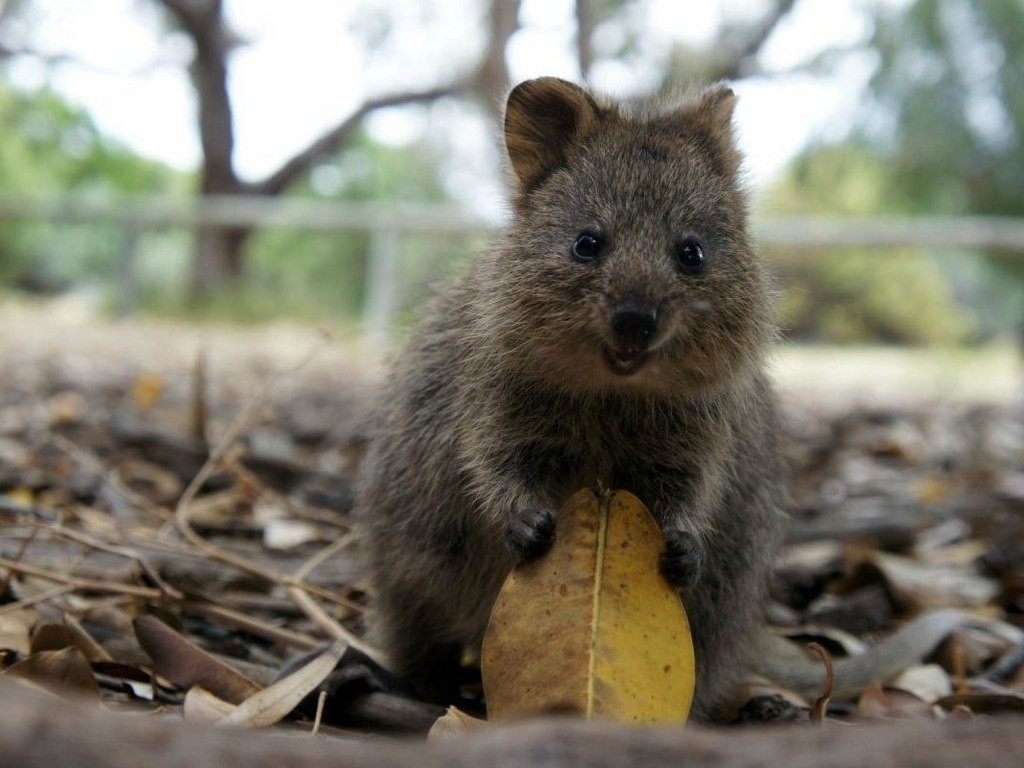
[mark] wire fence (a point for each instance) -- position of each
(387, 223)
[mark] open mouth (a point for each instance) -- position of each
(625, 361)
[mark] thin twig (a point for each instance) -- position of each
(959, 666)
(295, 588)
(820, 707)
(321, 699)
(317, 614)
(221, 555)
(83, 584)
(299, 576)
(333, 629)
(6, 583)
(96, 544)
(252, 625)
(295, 508)
(42, 597)
(322, 556)
(109, 477)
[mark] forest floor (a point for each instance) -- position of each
(908, 489)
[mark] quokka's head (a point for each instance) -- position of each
(628, 265)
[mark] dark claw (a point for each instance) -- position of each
(682, 559)
(531, 534)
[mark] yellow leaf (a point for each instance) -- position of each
(21, 496)
(592, 628)
(932, 490)
(147, 390)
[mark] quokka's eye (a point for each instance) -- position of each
(588, 246)
(690, 256)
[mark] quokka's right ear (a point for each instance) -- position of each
(543, 119)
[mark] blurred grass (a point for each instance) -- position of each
(865, 375)
(828, 376)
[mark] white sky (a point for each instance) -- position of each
(304, 69)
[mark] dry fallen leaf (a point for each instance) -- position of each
(878, 703)
(984, 703)
(276, 701)
(927, 682)
(15, 629)
(147, 389)
(47, 636)
(454, 723)
(592, 628)
(187, 665)
(63, 670)
(201, 706)
(929, 585)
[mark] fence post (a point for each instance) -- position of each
(381, 287)
(126, 302)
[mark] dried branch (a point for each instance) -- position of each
(329, 142)
(736, 61)
(42, 597)
(252, 625)
(294, 586)
(339, 544)
(92, 585)
(584, 36)
(120, 551)
(109, 477)
(203, 21)
(192, 16)
(821, 703)
(493, 76)
(5, 584)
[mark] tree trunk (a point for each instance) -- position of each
(494, 77)
(585, 36)
(217, 261)
(218, 258)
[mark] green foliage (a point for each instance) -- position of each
(50, 148)
(941, 134)
(324, 274)
(858, 295)
(951, 80)
(853, 296)
(949, 116)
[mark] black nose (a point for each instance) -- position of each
(634, 323)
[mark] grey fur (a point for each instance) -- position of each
(504, 402)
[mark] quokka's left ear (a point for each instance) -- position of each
(544, 118)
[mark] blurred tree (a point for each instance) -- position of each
(219, 256)
(315, 274)
(853, 295)
(493, 77)
(735, 54)
(219, 252)
(948, 114)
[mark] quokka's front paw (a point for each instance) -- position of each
(531, 533)
(682, 559)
